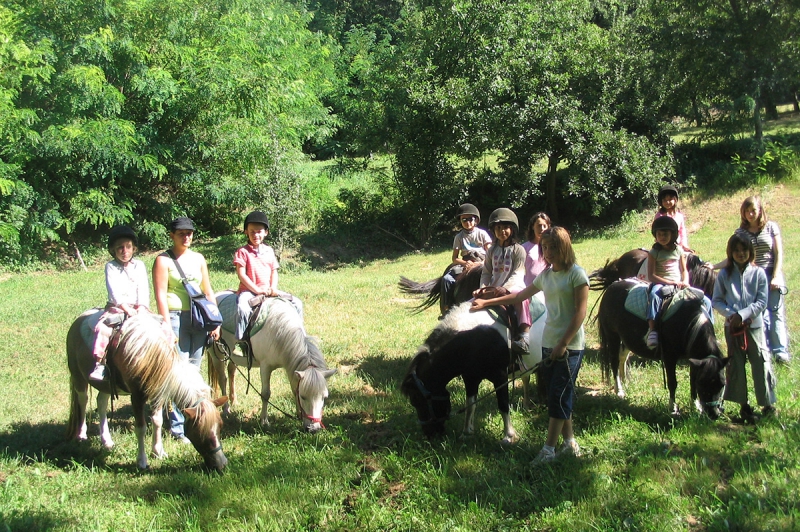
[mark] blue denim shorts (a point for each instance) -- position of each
(560, 377)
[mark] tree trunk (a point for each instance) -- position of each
(770, 107)
(795, 101)
(759, 127)
(550, 185)
(698, 118)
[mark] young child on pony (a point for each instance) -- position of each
(257, 269)
(469, 250)
(128, 292)
(505, 268)
(740, 295)
(668, 206)
(765, 235)
(566, 291)
(666, 266)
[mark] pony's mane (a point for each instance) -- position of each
(163, 373)
(699, 322)
(407, 385)
(290, 337)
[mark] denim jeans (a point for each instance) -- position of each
(560, 377)
(190, 345)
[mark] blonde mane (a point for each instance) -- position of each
(164, 375)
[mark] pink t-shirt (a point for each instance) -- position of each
(259, 264)
(534, 261)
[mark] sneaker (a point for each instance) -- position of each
(768, 411)
(521, 345)
(180, 438)
(98, 373)
(782, 358)
(544, 456)
(651, 340)
(570, 447)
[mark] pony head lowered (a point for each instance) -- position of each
(143, 356)
(707, 365)
(306, 368)
(432, 410)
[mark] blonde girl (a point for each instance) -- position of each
(566, 291)
(765, 235)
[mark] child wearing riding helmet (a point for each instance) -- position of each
(666, 266)
(128, 292)
(257, 269)
(740, 295)
(566, 291)
(668, 206)
(505, 267)
(469, 250)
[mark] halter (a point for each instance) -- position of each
(429, 399)
(302, 414)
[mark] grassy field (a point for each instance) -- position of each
(371, 469)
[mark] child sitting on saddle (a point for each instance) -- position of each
(505, 268)
(469, 251)
(666, 267)
(128, 292)
(257, 269)
(740, 294)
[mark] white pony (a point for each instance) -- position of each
(279, 341)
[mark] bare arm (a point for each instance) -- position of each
(580, 295)
(509, 299)
(777, 273)
(160, 281)
(241, 273)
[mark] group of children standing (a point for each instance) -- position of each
(748, 293)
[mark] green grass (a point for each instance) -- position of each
(371, 469)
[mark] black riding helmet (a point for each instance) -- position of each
(120, 231)
(468, 209)
(665, 223)
(667, 190)
(504, 215)
(256, 217)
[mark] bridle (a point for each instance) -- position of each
(429, 399)
(302, 414)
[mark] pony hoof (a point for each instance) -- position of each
(108, 445)
(510, 440)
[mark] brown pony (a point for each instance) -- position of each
(145, 366)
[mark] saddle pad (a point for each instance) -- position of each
(687, 294)
(536, 306)
(636, 302)
(228, 307)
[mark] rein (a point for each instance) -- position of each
(222, 346)
(429, 399)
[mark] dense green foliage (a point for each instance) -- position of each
(134, 111)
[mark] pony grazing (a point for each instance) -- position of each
(144, 365)
(632, 265)
(279, 341)
(685, 333)
(470, 345)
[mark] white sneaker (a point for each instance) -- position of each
(544, 456)
(652, 340)
(569, 448)
(98, 373)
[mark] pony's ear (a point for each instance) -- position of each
(725, 361)
(328, 373)
(219, 401)
(696, 363)
(190, 412)
(300, 374)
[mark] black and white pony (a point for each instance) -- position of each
(461, 291)
(687, 334)
(472, 345)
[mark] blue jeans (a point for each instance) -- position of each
(560, 377)
(775, 322)
(655, 300)
(190, 345)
